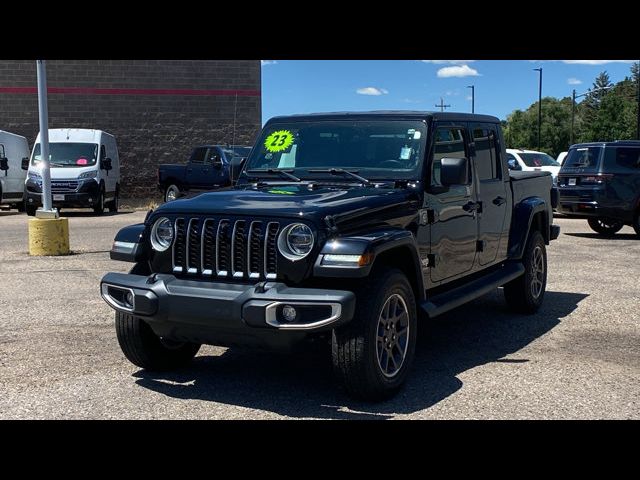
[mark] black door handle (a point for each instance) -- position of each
(470, 207)
(499, 201)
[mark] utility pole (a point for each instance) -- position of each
(442, 106)
(638, 95)
(43, 113)
(539, 104)
(473, 98)
(573, 114)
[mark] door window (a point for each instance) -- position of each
(448, 143)
(198, 155)
(486, 160)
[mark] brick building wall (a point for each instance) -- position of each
(158, 110)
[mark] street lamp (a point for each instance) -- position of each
(473, 98)
(539, 104)
(573, 105)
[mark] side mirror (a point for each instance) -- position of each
(235, 167)
(106, 164)
(513, 165)
(25, 163)
(454, 171)
(4, 163)
(217, 162)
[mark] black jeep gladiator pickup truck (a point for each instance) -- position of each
(342, 227)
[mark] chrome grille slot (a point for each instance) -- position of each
(178, 253)
(238, 249)
(233, 248)
(193, 246)
(208, 247)
(223, 248)
(270, 250)
(255, 252)
(64, 186)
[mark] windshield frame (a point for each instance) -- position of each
(52, 162)
(375, 175)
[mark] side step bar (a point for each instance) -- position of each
(439, 304)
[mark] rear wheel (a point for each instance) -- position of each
(115, 203)
(145, 349)
(525, 293)
(373, 353)
(171, 193)
(605, 226)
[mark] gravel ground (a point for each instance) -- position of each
(578, 358)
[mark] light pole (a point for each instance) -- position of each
(539, 104)
(638, 95)
(473, 98)
(573, 106)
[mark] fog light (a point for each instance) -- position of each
(289, 313)
(129, 299)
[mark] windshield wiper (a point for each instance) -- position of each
(340, 171)
(284, 173)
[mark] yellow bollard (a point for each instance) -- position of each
(48, 236)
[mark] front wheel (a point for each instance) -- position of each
(373, 353)
(98, 208)
(114, 204)
(525, 293)
(30, 209)
(145, 349)
(171, 193)
(605, 226)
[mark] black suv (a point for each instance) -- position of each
(601, 182)
(342, 228)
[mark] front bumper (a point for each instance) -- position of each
(86, 195)
(225, 313)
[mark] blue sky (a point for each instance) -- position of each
(501, 86)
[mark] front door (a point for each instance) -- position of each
(454, 229)
(491, 188)
(195, 169)
(214, 175)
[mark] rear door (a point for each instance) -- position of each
(454, 230)
(491, 188)
(214, 167)
(195, 176)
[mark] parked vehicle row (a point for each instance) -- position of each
(532, 161)
(341, 228)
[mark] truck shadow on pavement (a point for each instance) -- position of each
(300, 385)
(597, 236)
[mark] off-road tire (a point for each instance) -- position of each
(520, 293)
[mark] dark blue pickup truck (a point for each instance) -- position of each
(208, 168)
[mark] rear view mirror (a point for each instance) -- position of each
(25, 164)
(106, 164)
(4, 163)
(454, 171)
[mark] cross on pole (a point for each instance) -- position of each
(442, 106)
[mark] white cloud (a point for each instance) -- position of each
(371, 91)
(452, 62)
(268, 62)
(457, 71)
(595, 62)
(573, 81)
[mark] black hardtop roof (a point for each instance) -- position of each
(615, 143)
(395, 114)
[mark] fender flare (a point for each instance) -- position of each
(521, 221)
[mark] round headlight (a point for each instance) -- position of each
(162, 234)
(295, 241)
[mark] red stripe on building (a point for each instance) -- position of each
(133, 91)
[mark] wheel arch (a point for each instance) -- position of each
(529, 215)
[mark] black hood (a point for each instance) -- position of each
(343, 204)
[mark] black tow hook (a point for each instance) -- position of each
(153, 278)
(260, 287)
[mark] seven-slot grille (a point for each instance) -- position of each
(64, 186)
(241, 249)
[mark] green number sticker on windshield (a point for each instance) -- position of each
(278, 141)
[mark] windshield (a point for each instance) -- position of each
(586, 158)
(383, 149)
(68, 154)
(538, 160)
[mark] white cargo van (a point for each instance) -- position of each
(13, 150)
(85, 170)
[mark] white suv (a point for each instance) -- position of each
(531, 160)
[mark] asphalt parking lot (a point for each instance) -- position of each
(578, 358)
